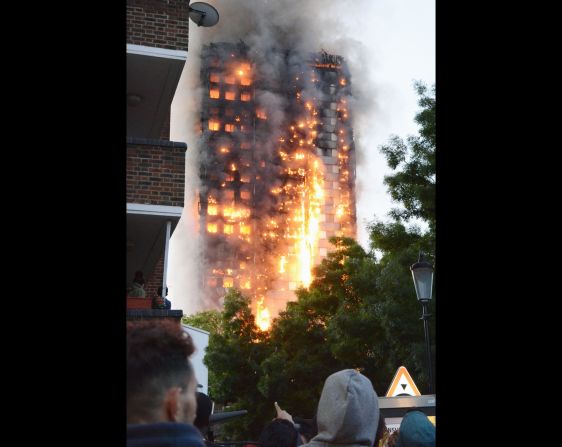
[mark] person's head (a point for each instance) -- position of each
(348, 410)
(159, 291)
(391, 440)
(161, 383)
(139, 277)
(278, 433)
(416, 430)
(381, 429)
(204, 410)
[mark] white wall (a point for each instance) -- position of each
(201, 341)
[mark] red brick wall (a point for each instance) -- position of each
(158, 23)
(155, 175)
(155, 279)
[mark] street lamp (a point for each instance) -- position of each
(422, 273)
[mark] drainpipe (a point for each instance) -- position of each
(167, 243)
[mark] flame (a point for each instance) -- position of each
(282, 263)
(214, 125)
(212, 227)
(262, 316)
(302, 199)
(339, 211)
(233, 213)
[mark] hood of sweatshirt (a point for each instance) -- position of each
(348, 411)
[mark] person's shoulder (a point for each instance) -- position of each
(193, 436)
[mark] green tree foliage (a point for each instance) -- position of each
(210, 321)
(413, 185)
(236, 350)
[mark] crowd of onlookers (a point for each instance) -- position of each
(164, 408)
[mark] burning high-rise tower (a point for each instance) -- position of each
(277, 170)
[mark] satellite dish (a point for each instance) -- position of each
(203, 14)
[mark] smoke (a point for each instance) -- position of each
(273, 31)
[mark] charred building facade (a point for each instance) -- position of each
(277, 170)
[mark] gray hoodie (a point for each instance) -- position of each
(348, 411)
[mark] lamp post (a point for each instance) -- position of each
(422, 273)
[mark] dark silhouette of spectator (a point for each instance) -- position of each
(161, 384)
(137, 289)
(416, 430)
(204, 411)
(279, 433)
(348, 411)
(161, 302)
(306, 427)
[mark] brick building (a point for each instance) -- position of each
(157, 43)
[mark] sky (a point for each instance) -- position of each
(401, 38)
(389, 45)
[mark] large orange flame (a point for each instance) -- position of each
(263, 319)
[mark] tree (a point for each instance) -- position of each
(209, 320)
(333, 325)
(236, 349)
(413, 185)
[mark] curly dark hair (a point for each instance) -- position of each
(278, 433)
(157, 360)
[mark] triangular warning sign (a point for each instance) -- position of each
(402, 384)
